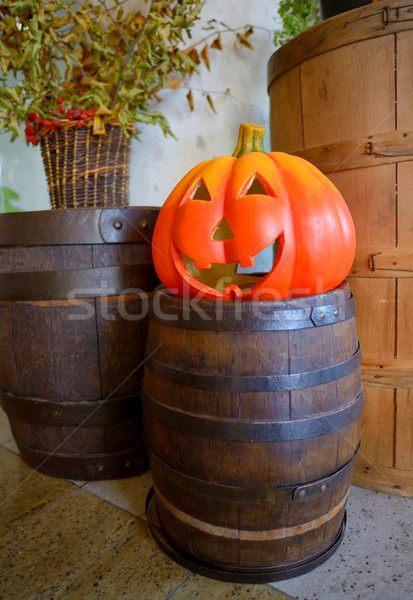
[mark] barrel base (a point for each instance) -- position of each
(88, 467)
(248, 576)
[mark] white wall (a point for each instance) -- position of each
(158, 163)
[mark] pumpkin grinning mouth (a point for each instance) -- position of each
(220, 276)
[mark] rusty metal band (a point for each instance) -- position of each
(71, 414)
(250, 535)
(255, 383)
(89, 467)
(82, 283)
(251, 431)
(78, 226)
(262, 318)
(275, 495)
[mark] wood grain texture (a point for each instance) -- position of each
(396, 373)
(376, 316)
(405, 204)
(404, 73)
(327, 81)
(370, 196)
(377, 427)
(373, 150)
(381, 262)
(404, 318)
(285, 105)
(404, 430)
(383, 479)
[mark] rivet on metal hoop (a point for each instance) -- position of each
(117, 224)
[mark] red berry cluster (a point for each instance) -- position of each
(37, 126)
(36, 122)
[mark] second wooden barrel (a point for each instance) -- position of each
(341, 96)
(73, 318)
(251, 416)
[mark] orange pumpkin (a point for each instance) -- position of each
(225, 211)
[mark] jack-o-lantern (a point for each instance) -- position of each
(226, 211)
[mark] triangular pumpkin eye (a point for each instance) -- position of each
(223, 231)
(255, 187)
(201, 192)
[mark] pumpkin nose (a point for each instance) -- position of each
(223, 231)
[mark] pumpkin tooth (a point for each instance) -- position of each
(202, 265)
(233, 291)
(247, 261)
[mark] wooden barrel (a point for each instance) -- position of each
(73, 316)
(341, 96)
(251, 416)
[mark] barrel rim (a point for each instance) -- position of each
(328, 308)
(183, 304)
(229, 305)
(326, 36)
(79, 226)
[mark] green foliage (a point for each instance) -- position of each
(296, 16)
(8, 197)
(92, 56)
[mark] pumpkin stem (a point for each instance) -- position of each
(250, 139)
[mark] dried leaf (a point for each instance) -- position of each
(211, 104)
(98, 126)
(190, 99)
(217, 43)
(103, 110)
(174, 83)
(194, 56)
(205, 57)
(244, 41)
(82, 21)
(249, 31)
(5, 65)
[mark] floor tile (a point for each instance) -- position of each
(375, 558)
(129, 494)
(11, 445)
(23, 492)
(210, 589)
(5, 431)
(82, 548)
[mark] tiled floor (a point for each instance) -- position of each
(90, 541)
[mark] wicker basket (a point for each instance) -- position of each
(84, 169)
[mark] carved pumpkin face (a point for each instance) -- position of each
(228, 210)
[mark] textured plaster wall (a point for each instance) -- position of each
(157, 162)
